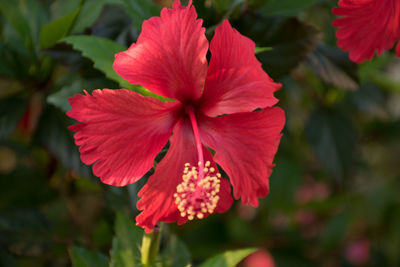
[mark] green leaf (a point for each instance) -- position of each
(221, 5)
(19, 188)
(261, 49)
(25, 232)
(285, 180)
(82, 257)
(55, 136)
(228, 258)
(6, 259)
(10, 9)
(286, 7)
(125, 250)
(175, 254)
(11, 111)
(25, 17)
(140, 10)
(90, 11)
(335, 231)
(60, 98)
(101, 51)
(291, 41)
(334, 67)
(13, 59)
(332, 137)
(57, 29)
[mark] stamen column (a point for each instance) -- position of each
(197, 195)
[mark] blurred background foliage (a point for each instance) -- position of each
(335, 190)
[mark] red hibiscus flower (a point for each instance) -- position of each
(367, 26)
(121, 132)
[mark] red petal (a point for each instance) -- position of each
(121, 132)
(235, 80)
(367, 26)
(157, 201)
(245, 145)
(169, 57)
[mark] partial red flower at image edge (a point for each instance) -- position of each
(367, 26)
(120, 132)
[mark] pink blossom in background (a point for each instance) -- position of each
(260, 258)
(367, 26)
(121, 132)
(358, 252)
(311, 190)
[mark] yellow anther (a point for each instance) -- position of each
(197, 194)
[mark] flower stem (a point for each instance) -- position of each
(150, 247)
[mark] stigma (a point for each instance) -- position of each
(197, 195)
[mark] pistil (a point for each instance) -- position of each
(190, 111)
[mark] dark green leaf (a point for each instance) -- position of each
(14, 59)
(10, 9)
(37, 15)
(57, 29)
(6, 259)
(286, 7)
(175, 254)
(60, 98)
(20, 188)
(285, 180)
(82, 257)
(101, 51)
(116, 24)
(140, 10)
(369, 98)
(291, 41)
(228, 258)
(126, 243)
(11, 111)
(332, 137)
(91, 10)
(221, 5)
(334, 67)
(89, 13)
(54, 134)
(335, 230)
(25, 232)
(26, 18)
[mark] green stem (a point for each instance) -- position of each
(150, 247)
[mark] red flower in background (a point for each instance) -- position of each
(121, 132)
(367, 26)
(260, 258)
